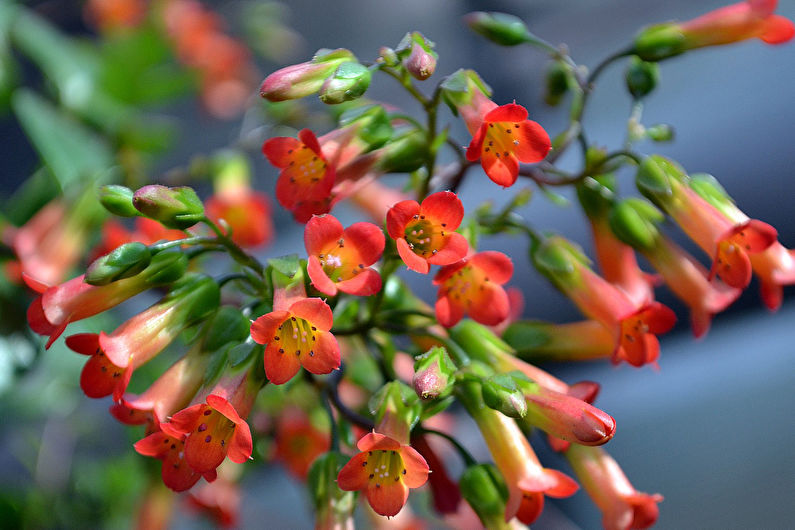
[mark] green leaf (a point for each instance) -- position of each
(73, 153)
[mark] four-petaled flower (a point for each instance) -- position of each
(385, 470)
(340, 259)
(474, 286)
(306, 176)
(505, 138)
(425, 233)
(213, 430)
(298, 336)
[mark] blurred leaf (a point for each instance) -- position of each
(36, 191)
(72, 152)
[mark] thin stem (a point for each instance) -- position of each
(335, 435)
(431, 108)
(231, 277)
(469, 460)
(237, 253)
(604, 64)
(195, 240)
(353, 417)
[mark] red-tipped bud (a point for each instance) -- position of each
(178, 207)
(433, 372)
(300, 80)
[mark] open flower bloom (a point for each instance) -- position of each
(299, 442)
(743, 20)
(246, 212)
(340, 259)
(425, 233)
(622, 506)
(385, 470)
(505, 138)
(474, 286)
(295, 337)
(176, 473)
(100, 376)
(690, 282)
(775, 267)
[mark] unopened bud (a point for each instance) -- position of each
(501, 393)
(417, 54)
(483, 487)
(595, 197)
(641, 77)
(118, 200)
(659, 42)
(177, 207)
(396, 410)
(556, 83)
(349, 81)
(634, 221)
(500, 28)
(433, 371)
(123, 262)
(661, 132)
(165, 268)
(388, 56)
(300, 80)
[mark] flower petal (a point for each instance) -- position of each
(315, 311)
(277, 150)
(475, 148)
(352, 476)
(264, 328)
(366, 283)
(373, 441)
(497, 266)
(321, 231)
(324, 357)
(399, 216)
(417, 469)
(510, 112)
(99, 377)
(455, 249)
(202, 455)
(319, 278)
(444, 208)
(367, 239)
(280, 367)
(309, 139)
(37, 320)
(224, 407)
(387, 498)
(185, 420)
(84, 343)
(732, 265)
(241, 446)
(490, 305)
(412, 260)
(534, 143)
(503, 170)
(448, 313)
(777, 30)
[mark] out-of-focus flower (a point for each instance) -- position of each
(219, 501)
(775, 268)
(622, 506)
(474, 286)
(297, 336)
(385, 470)
(426, 233)
(245, 211)
(299, 442)
(340, 259)
(113, 15)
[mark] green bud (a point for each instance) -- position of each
(484, 488)
(418, 56)
(388, 56)
(300, 80)
(499, 28)
(501, 393)
(660, 132)
(659, 42)
(405, 153)
(641, 77)
(165, 268)
(350, 81)
(177, 207)
(556, 83)
(594, 196)
(634, 221)
(433, 372)
(118, 200)
(458, 88)
(652, 180)
(228, 325)
(125, 261)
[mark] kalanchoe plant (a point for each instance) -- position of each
(328, 353)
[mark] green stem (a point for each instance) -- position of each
(235, 251)
(196, 240)
(469, 460)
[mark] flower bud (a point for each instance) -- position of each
(125, 261)
(659, 42)
(165, 268)
(388, 56)
(596, 196)
(433, 372)
(483, 487)
(350, 81)
(641, 77)
(634, 221)
(660, 132)
(228, 325)
(300, 80)
(501, 393)
(499, 28)
(418, 56)
(118, 200)
(556, 83)
(177, 207)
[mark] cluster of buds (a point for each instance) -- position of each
(335, 326)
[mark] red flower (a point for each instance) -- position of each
(425, 233)
(176, 473)
(100, 376)
(298, 336)
(248, 214)
(306, 175)
(299, 443)
(474, 286)
(112, 15)
(214, 431)
(385, 470)
(505, 138)
(775, 267)
(732, 262)
(340, 259)
(737, 22)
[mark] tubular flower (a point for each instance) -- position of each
(622, 506)
(738, 22)
(340, 259)
(425, 233)
(775, 268)
(176, 473)
(246, 212)
(634, 328)
(385, 470)
(100, 376)
(474, 286)
(505, 138)
(295, 337)
(538, 341)
(213, 430)
(299, 443)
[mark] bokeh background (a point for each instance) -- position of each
(712, 430)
